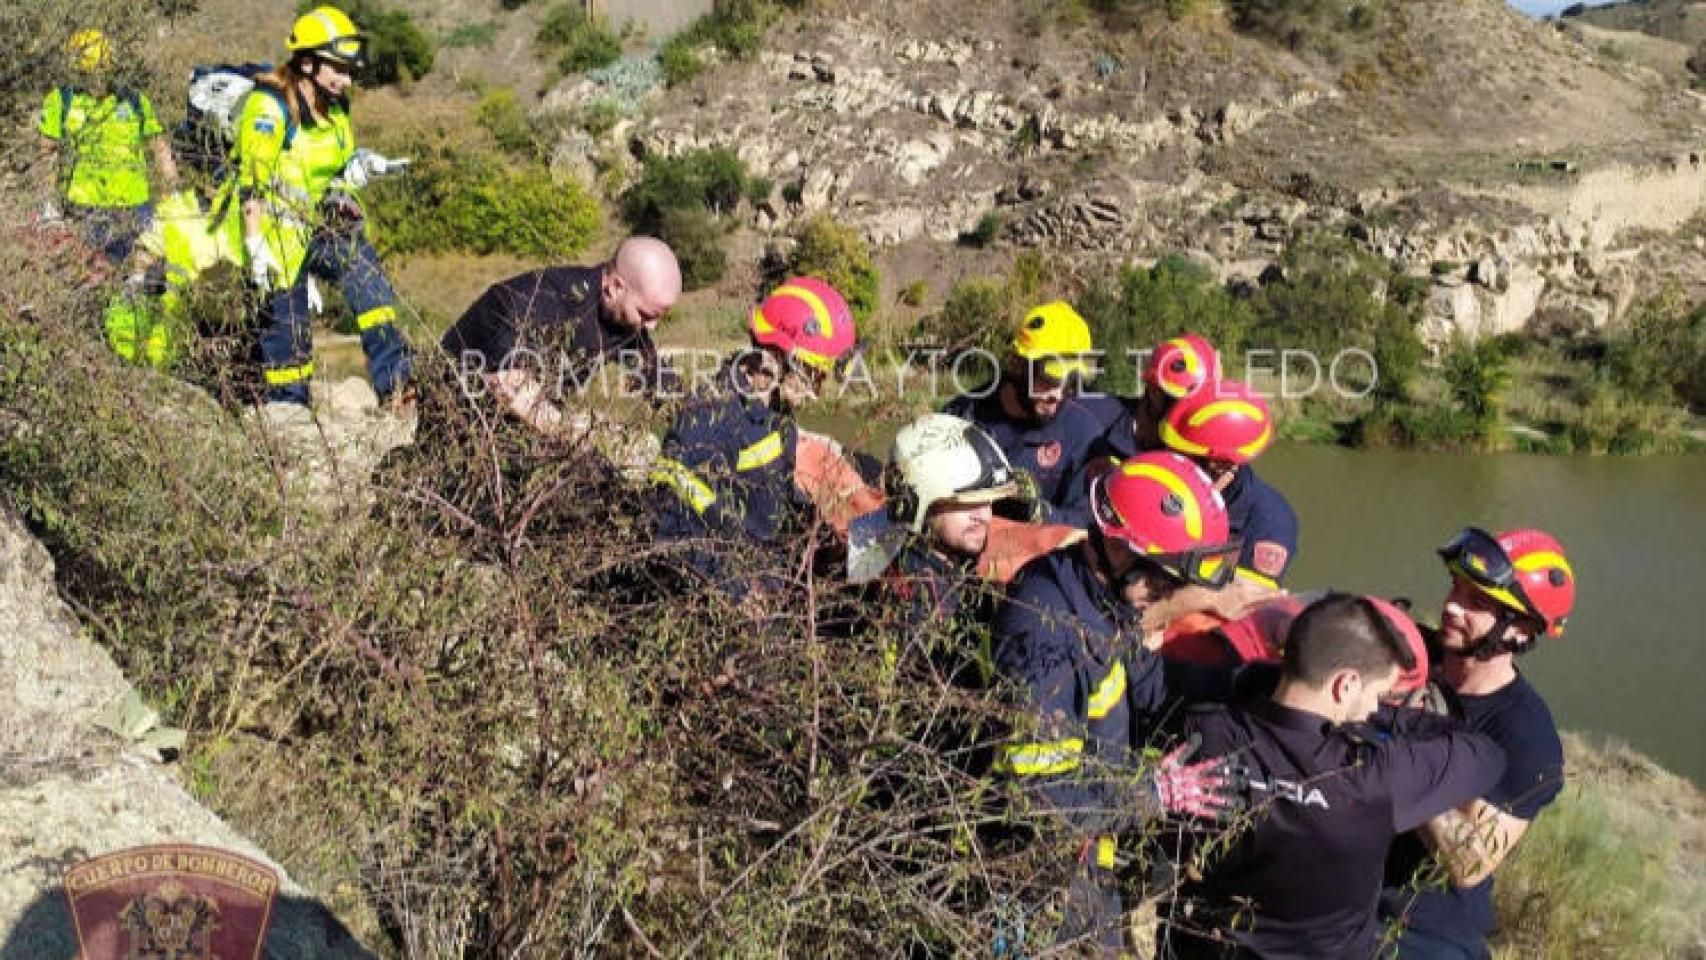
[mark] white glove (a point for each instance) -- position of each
(263, 266)
(316, 303)
(364, 165)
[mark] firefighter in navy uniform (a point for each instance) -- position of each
(1033, 412)
(1329, 792)
(1071, 638)
(1223, 425)
(1507, 593)
(1172, 371)
(743, 474)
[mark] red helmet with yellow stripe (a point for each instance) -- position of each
(1226, 421)
(1523, 570)
(807, 320)
(1180, 366)
(1167, 511)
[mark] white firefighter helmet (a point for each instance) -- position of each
(938, 458)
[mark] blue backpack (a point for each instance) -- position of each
(204, 139)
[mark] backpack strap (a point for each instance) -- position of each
(283, 107)
(133, 98)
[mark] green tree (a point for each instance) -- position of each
(1146, 306)
(1477, 375)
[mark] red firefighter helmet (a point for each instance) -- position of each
(1178, 367)
(1525, 570)
(1167, 511)
(1226, 421)
(806, 319)
(1415, 677)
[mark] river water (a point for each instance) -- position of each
(1631, 663)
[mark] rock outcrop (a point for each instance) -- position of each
(70, 790)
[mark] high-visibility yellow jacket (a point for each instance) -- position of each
(288, 168)
(103, 160)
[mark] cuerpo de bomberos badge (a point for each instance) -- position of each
(171, 902)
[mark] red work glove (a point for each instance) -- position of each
(1208, 789)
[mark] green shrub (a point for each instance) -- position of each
(736, 27)
(397, 49)
(1330, 300)
(1477, 375)
(681, 199)
(502, 116)
(471, 35)
(978, 315)
(592, 48)
(696, 237)
(600, 116)
(913, 294)
(1299, 23)
(714, 179)
(1144, 307)
(1601, 874)
(586, 44)
(986, 232)
(680, 60)
(838, 256)
(477, 204)
(1661, 353)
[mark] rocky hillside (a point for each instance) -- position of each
(1682, 21)
(1472, 144)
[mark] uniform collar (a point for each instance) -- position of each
(1117, 612)
(1290, 719)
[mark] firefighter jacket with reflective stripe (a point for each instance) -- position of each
(728, 460)
(1076, 652)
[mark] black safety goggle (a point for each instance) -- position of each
(346, 51)
(1476, 554)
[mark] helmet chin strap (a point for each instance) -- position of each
(1497, 640)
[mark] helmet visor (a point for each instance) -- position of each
(1477, 556)
(349, 50)
(995, 480)
(1210, 567)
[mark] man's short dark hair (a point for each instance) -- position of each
(1338, 632)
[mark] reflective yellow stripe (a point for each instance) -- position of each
(285, 376)
(763, 452)
(1245, 573)
(1256, 446)
(1040, 759)
(375, 317)
(1218, 407)
(1542, 560)
(685, 483)
(1175, 486)
(1108, 692)
(820, 310)
(1176, 441)
(1106, 848)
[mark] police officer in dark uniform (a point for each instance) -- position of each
(1329, 791)
(1033, 412)
(1070, 637)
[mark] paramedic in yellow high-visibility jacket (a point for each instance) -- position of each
(297, 169)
